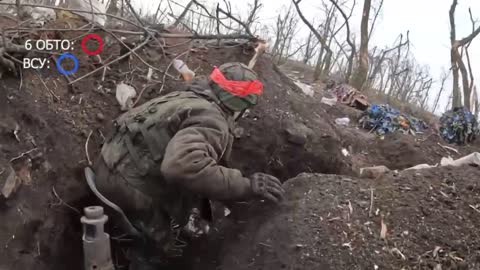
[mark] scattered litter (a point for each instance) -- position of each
(384, 119)
(344, 121)
(329, 101)
(350, 96)
(306, 89)
(227, 212)
(472, 159)
(459, 126)
(345, 152)
(125, 94)
(374, 172)
(183, 69)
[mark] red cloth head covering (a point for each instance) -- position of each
(236, 88)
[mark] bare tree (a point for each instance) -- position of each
(375, 17)
(183, 14)
(285, 29)
(443, 79)
(378, 60)
(320, 72)
(311, 46)
(361, 73)
(353, 49)
(458, 65)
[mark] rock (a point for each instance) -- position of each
(374, 172)
(298, 133)
(10, 183)
(125, 94)
(100, 116)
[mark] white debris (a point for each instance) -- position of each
(421, 167)
(344, 121)
(227, 212)
(345, 152)
(41, 15)
(98, 7)
(306, 89)
(329, 101)
(183, 69)
(125, 94)
(472, 159)
(149, 74)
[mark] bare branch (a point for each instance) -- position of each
(320, 38)
(372, 27)
(180, 18)
(353, 49)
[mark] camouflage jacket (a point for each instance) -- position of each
(174, 148)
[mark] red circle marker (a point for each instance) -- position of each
(97, 38)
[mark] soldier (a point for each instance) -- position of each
(169, 155)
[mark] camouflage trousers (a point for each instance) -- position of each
(159, 238)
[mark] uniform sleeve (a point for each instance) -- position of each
(192, 155)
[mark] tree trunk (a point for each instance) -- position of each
(318, 66)
(361, 73)
(456, 95)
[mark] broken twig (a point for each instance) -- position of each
(449, 148)
(371, 203)
(23, 154)
(112, 62)
(86, 148)
(62, 202)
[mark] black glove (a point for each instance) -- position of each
(267, 187)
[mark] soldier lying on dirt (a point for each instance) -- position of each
(168, 156)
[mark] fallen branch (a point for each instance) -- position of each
(46, 87)
(112, 62)
(449, 148)
(133, 52)
(86, 148)
(62, 202)
(371, 203)
(22, 155)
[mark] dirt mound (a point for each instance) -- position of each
(430, 221)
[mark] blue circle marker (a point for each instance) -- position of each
(59, 63)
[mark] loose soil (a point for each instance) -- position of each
(430, 221)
